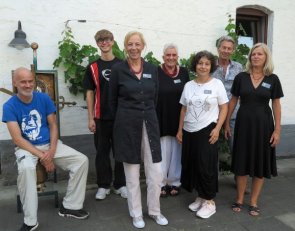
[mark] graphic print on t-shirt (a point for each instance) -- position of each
(106, 73)
(198, 105)
(31, 125)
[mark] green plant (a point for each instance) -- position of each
(187, 64)
(74, 59)
(242, 50)
(149, 57)
(223, 153)
(120, 54)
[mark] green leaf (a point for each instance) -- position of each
(120, 54)
(151, 59)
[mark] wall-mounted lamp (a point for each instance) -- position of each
(19, 42)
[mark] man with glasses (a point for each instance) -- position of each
(100, 120)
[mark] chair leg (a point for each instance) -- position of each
(54, 176)
(18, 204)
(56, 199)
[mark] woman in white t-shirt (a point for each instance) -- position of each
(204, 109)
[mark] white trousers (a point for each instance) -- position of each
(67, 159)
(171, 161)
(154, 178)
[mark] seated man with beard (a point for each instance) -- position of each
(31, 121)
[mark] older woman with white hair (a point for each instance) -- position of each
(172, 79)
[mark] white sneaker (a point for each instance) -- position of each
(159, 219)
(122, 191)
(102, 193)
(207, 210)
(138, 222)
(196, 205)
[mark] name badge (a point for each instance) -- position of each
(266, 85)
(146, 76)
(177, 81)
(207, 92)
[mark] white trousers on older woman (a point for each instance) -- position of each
(171, 161)
(154, 177)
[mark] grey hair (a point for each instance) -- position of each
(225, 38)
(170, 46)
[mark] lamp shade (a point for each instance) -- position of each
(19, 41)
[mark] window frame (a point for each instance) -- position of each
(260, 20)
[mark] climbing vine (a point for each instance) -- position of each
(242, 50)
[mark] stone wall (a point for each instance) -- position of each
(84, 143)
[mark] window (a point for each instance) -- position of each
(254, 22)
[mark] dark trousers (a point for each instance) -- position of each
(103, 144)
(200, 163)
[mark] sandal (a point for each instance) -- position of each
(164, 191)
(254, 211)
(174, 191)
(237, 207)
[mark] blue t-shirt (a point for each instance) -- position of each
(31, 117)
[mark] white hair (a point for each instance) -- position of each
(170, 46)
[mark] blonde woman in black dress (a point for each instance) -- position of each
(257, 128)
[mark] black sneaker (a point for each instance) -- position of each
(79, 214)
(28, 227)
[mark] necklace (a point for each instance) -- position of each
(260, 76)
(173, 74)
(132, 69)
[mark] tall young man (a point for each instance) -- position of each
(100, 120)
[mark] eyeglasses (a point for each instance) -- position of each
(106, 40)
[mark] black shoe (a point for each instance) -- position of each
(79, 214)
(28, 227)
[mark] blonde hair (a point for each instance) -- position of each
(268, 65)
(130, 34)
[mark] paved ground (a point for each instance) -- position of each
(276, 203)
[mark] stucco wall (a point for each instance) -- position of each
(193, 25)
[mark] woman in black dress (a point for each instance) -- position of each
(257, 128)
